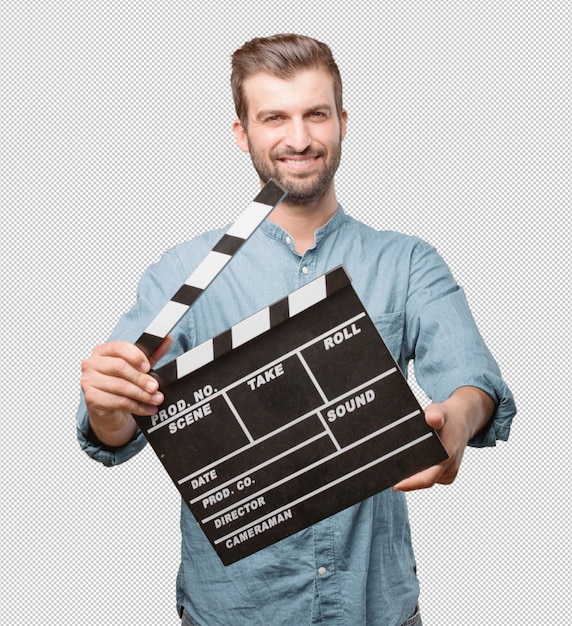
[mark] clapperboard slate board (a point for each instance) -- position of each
(292, 415)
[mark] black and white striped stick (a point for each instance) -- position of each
(208, 269)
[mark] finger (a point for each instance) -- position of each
(103, 364)
(119, 381)
(435, 417)
(124, 350)
(109, 403)
(422, 480)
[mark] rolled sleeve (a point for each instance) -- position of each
(498, 428)
(449, 351)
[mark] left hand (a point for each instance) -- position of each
(456, 420)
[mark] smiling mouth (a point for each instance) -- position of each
(300, 162)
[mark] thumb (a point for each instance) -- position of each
(161, 350)
(435, 416)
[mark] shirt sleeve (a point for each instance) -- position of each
(446, 345)
(156, 287)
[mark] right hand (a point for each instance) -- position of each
(116, 384)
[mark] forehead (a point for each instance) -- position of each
(308, 88)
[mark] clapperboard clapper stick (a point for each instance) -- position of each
(208, 269)
(288, 417)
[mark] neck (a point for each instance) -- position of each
(302, 221)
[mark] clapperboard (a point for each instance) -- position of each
(288, 417)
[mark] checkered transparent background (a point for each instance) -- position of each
(116, 144)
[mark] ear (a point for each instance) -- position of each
(344, 123)
(240, 136)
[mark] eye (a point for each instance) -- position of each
(318, 115)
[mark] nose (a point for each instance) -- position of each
(297, 135)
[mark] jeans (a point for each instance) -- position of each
(414, 620)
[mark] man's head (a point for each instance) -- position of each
(288, 98)
(282, 56)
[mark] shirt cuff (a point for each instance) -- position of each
(498, 429)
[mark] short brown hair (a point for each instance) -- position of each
(283, 56)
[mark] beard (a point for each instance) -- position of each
(302, 188)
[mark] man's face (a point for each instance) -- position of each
(294, 133)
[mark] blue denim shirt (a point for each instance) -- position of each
(356, 567)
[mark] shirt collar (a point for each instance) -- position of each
(334, 223)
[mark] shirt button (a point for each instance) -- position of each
(305, 269)
(288, 241)
(322, 571)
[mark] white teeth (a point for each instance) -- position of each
(298, 163)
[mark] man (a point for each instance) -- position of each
(356, 567)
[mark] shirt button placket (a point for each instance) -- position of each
(326, 576)
(306, 268)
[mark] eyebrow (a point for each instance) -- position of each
(270, 112)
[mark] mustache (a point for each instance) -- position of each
(307, 152)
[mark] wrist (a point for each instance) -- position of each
(475, 407)
(116, 432)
